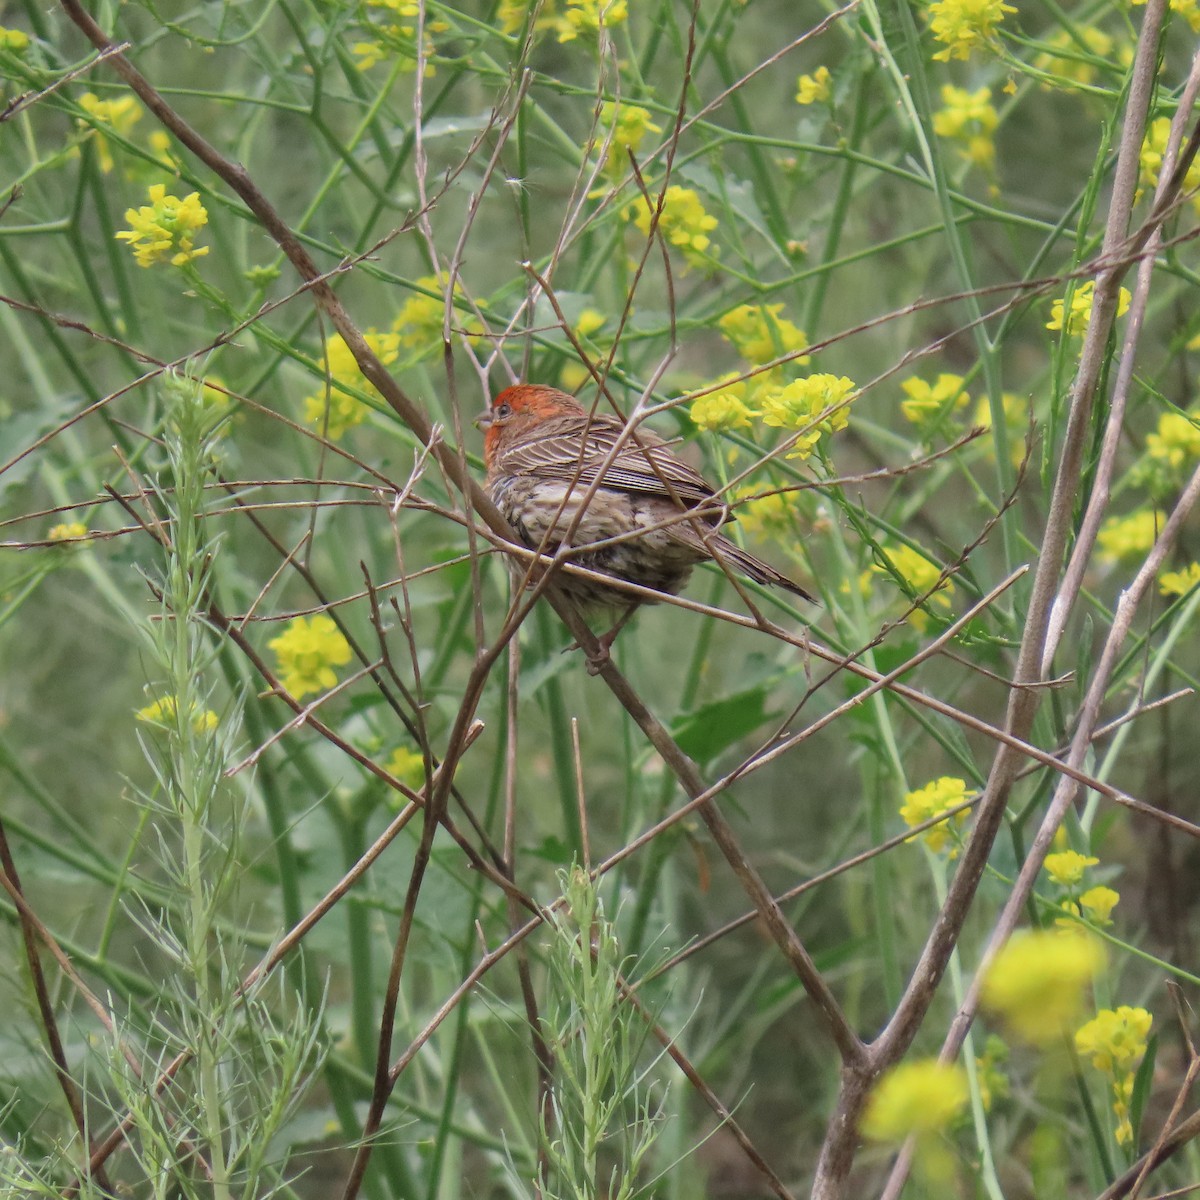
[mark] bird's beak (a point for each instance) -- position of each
(484, 420)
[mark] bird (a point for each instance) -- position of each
(554, 471)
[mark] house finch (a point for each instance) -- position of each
(544, 453)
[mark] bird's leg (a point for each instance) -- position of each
(597, 660)
(603, 650)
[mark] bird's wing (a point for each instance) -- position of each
(651, 467)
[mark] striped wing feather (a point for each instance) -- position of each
(647, 468)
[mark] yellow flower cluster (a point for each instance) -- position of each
(815, 88)
(394, 36)
(1072, 64)
(587, 17)
(1115, 1040)
(1176, 441)
(1179, 583)
(120, 115)
(969, 119)
(307, 651)
(167, 226)
(814, 406)
(683, 222)
(68, 531)
(919, 1098)
(1080, 315)
(332, 412)
(162, 713)
(723, 410)
(1151, 158)
(761, 332)
(407, 765)
(13, 40)
(629, 124)
(771, 514)
(512, 13)
(1066, 869)
(920, 574)
(964, 26)
(932, 800)
(1121, 538)
(1037, 980)
(928, 404)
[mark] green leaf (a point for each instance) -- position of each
(706, 732)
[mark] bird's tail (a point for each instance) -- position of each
(761, 572)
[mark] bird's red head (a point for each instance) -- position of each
(519, 408)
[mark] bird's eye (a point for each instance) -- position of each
(502, 411)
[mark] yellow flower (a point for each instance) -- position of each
(722, 410)
(629, 125)
(572, 376)
(394, 37)
(968, 118)
(1068, 61)
(1016, 422)
(934, 798)
(162, 713)
(1097, 904)
(1115, 1039)
(419, 322)
(165, 227)
(1081, 309)
(407, 765)
(307, 651)
(963, 26)
(13, 40)
(766, 516)
(588, 322)
(927, 403)
(1179, 583)
(68, 531)
(683, 222)
(920, 573)
(814, 88)
(344, 412)
(1127, 537)
(921, 1098)
(1151, 157)
(1176, 441)
(588, 17)
(1067, 867)
(512, 13)
(761, 333)
(1036, 981)
(803, 404)
(119, 115)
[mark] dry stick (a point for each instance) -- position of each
(837, 1152)
(11, 882)
(1085, 539)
